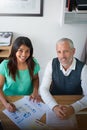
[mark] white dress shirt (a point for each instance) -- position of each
(46, 82)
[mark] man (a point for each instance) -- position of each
(68, 76)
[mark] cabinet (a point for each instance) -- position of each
(67, 17)
(5, 51)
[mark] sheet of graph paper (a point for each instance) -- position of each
(53, 120)
(27, 112)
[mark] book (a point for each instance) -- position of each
(71, 5)
(81, 11)
(81, 1)
(81, 4)
(82, 7)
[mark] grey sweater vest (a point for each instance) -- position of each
(66, 85)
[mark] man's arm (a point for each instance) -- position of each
(82, 103)
(45, 86)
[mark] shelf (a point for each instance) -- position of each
(75, 17)
(5, 51)
(71, 17)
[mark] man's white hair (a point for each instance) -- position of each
(66, 39)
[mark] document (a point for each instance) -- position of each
(54, 121)
(27, 112)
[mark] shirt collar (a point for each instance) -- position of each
(72, 67)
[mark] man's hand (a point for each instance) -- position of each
(63, 111)
(60, 111)
(69, 112)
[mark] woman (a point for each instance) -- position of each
(19, 73)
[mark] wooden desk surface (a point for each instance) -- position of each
(8, 124)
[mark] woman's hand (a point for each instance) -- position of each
(10, 107)
(35, 97)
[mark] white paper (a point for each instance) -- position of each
(27, 112)
(54, 121)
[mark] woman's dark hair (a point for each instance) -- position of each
(12, 64)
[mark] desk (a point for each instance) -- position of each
(7, 123)
(81, 118)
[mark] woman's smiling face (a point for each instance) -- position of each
(23, 53)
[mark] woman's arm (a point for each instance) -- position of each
(9, 106)
(35, 95)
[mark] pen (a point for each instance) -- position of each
(39, 122)
(44, 126)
